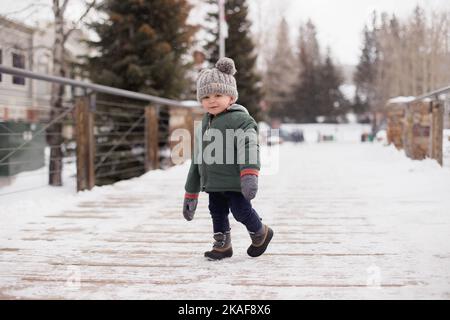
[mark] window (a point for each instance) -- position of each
(18, 62)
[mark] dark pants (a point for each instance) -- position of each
(220, 204)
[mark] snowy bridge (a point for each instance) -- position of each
(350, 221)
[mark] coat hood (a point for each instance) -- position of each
(238, 107)
(233, 108)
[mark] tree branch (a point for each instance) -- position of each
(33, 5)
(55, 7)
(64, 6)
(88, 8)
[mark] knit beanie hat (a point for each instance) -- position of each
(218, 80)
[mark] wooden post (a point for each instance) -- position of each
(395, 123)
(407, 131)
(151, 139)
(91, 149)
(79, 129)
(84, 123)
(437, 127)
(418, 130)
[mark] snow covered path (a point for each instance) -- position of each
(350, 220)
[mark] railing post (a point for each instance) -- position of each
(91, 140)
(395, 124)
(407, 131)
(418, 130)
(437, 127)
(151, 138)
(85, 144)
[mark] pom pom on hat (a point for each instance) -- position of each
(226, 65)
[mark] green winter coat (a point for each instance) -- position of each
(208, 175)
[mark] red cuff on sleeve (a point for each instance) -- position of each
(191, 195)
(250, 171)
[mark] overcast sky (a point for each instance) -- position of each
(339, 22)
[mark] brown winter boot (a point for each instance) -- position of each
(221, 247)
(260, 241)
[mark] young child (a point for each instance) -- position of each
(230, 186)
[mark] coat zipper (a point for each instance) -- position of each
(209, 126)
(203, 165)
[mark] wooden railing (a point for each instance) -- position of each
(119, 134)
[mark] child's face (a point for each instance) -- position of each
(216, 103)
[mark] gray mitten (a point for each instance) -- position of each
(189, 207)
(249, 186)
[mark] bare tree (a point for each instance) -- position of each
(412, 56)
(267, 15)
(54, 132)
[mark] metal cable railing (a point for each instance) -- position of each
(435, 93)
(112, 132)
(25, 155)
(94, 87)
(39, 132)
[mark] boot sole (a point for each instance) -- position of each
(254, 252)
(216, 255)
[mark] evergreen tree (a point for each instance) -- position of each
(331, 100)
(366, 71)
(306, 96)
(281, 74)
(239, 47)
(359, 105)
(141, 46)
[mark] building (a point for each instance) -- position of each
(25, 103)
(16, 93)
(30, 48)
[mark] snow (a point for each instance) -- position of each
(351, 117)
(341, 132)
(446, 148)
(190, 103)
(381, 136)
(401, 99)
(349, 91)
(351, 220)
(27, 193)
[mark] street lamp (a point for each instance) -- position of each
(223, 28)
